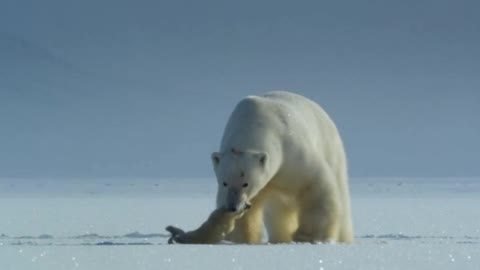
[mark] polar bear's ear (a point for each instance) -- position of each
(216, 159)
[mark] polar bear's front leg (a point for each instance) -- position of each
(249, 228)
(317, 227)
(319, 215)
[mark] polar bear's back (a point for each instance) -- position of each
(292, 118)
(308, 124)
(301, 113)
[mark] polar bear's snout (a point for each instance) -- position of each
(236, 200)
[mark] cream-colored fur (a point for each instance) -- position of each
(220, 223)
(283, 153)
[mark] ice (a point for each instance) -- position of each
(85, 224)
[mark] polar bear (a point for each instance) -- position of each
(282, 154)
(220, 223)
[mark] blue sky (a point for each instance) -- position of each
(144, 88)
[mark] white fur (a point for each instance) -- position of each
(282, 153)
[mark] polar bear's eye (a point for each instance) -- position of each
(224, 184)
(245, 185)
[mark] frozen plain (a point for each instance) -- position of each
(400, 223)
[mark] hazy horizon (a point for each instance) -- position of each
(143, 88)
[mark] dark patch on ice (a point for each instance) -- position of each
(148, 235)
(468, 242)
(25, 243)
(390, 236)
(42, 236)
(45, 236)
(24, 237)
(441, 237)
(109, 243)
(91, 236)
(128, 235)
(400, 236)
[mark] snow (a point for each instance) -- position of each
(119, 224)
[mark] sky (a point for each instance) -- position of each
(121, 89)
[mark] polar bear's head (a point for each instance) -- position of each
(240, 176)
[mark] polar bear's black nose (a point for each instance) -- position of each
(232, 209)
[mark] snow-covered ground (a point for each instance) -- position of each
(119, 224)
